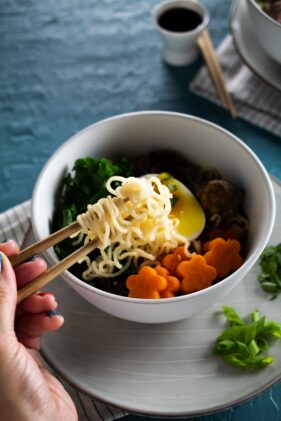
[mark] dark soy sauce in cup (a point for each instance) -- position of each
(179, 19)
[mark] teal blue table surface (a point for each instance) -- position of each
(65, 64)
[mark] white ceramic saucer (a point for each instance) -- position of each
(249, 49)
(160, 370)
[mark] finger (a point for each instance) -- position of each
(10, 248)
(37, 303)
(8, 296)
(28, 271)
(31, 327)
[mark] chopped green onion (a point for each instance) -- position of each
(270, 275)
(242, 344)
(253, 348)
(255, 316)
(232, 316)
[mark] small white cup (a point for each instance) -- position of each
(180, 48)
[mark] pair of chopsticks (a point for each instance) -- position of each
(204, 43)
(58, 268)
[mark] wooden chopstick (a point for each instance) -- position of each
(204, 42)
(55, 271)
(42, 245)
(228, 99)
(58, 268)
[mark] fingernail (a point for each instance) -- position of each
(0, 262)
(52, 313)
(43, 293)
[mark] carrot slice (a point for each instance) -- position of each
(173, 283)
(146, 284)
(223, 255)
(196, 274)
(171, 261)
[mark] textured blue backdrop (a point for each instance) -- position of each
(65, 64)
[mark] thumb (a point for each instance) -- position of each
(8, 295)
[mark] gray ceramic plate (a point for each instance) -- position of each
(249, 49)
(163, 370)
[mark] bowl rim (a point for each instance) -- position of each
(246, 266)
(264, 14)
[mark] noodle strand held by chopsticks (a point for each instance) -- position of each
(130, 224)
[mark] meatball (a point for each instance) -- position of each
(220, 197)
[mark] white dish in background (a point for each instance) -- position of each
(267, 30)
(249, 49)
(160, 370)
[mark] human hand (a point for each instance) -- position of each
(28, 391)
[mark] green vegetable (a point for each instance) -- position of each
(270, 275)
(84, 185)
(242, 344)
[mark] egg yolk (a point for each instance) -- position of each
(185, 208)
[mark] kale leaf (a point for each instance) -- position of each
(86, 184)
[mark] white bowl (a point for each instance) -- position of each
(266, 29)
(200, 141)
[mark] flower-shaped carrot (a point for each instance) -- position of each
(223, 255)
(171, 261)
(196, 274)
(173, 283)
(146, 284)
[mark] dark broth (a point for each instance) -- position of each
(179, 19)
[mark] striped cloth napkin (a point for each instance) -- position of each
(14, 225)
(255, 101)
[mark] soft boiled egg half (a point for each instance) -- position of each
(185, 207)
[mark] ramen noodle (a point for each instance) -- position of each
(130, 224)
